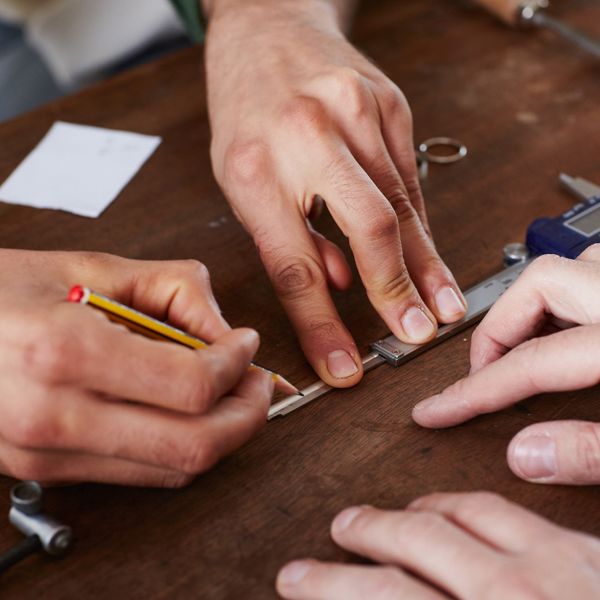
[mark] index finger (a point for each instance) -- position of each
(536, 366)
(372, 225)
(298, 275)
(177, 291)
(566, 289)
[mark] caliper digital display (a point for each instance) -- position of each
(569, 234)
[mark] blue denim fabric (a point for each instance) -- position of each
(24, 79)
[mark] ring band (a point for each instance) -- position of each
(441, 159)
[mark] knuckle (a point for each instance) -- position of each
(352, 90)
(247, 164)
(386, 584)
(198, 456)
(433, 270)
(29, 466)
(465, 404)
(255, 410)
(413, 189)
(34, 428)
(587, 449)
(195, 268)
(296, 277)
(544, 264)
(347, 80)
(393, 102)
(513, 581)
(533, 374)
(398, 287)
(46, 353)
(591, 253)
(198, 393)
(305, 116)
(474, 504)
(419, 524)
(403, 208)
(383, 225)
(391, 185)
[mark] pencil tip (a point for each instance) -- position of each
(300, 394)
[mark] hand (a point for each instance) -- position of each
(543, 335)
(465, 546)
(299, 115)
(84, 399)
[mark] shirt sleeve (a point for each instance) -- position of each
(189, 11)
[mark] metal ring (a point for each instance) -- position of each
(27, 497)
(427, 145)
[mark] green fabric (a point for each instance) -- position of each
(189, 11)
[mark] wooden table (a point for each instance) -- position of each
(526, 106)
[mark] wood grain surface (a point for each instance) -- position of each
(526, 104)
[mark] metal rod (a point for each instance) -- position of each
(583, 41)
(580, 187)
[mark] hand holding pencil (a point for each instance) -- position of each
(82, 399)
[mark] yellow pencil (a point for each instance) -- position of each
(155, 329)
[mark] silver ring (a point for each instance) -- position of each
(441, 159)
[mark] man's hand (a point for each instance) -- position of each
(299, 116)
(463, 546)
(543, 335)
(84, 399)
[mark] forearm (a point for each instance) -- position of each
(338, 11)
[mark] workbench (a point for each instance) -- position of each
(526, 105)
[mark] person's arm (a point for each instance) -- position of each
(299, 115)
(342, 10)
(543, 335)
(461, 546)
(84, 399)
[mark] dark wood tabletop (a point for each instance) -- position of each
(526, 105)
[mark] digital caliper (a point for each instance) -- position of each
(566, 235)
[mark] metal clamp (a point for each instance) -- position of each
(26, 515)
(42, 532)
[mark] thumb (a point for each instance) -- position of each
(558, 452)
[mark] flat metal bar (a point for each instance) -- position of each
(316, 390)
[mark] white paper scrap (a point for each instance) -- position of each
(78, 168)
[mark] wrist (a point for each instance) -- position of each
(325, 15)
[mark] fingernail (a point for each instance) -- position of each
(448, 303)
(341, 365)
(293, 573)
(426, 404)
(345, 518)
(536, 457)
(417, 325)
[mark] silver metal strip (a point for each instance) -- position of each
(480, 299)
(316, 390)
(580, 187)
(585, 42)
